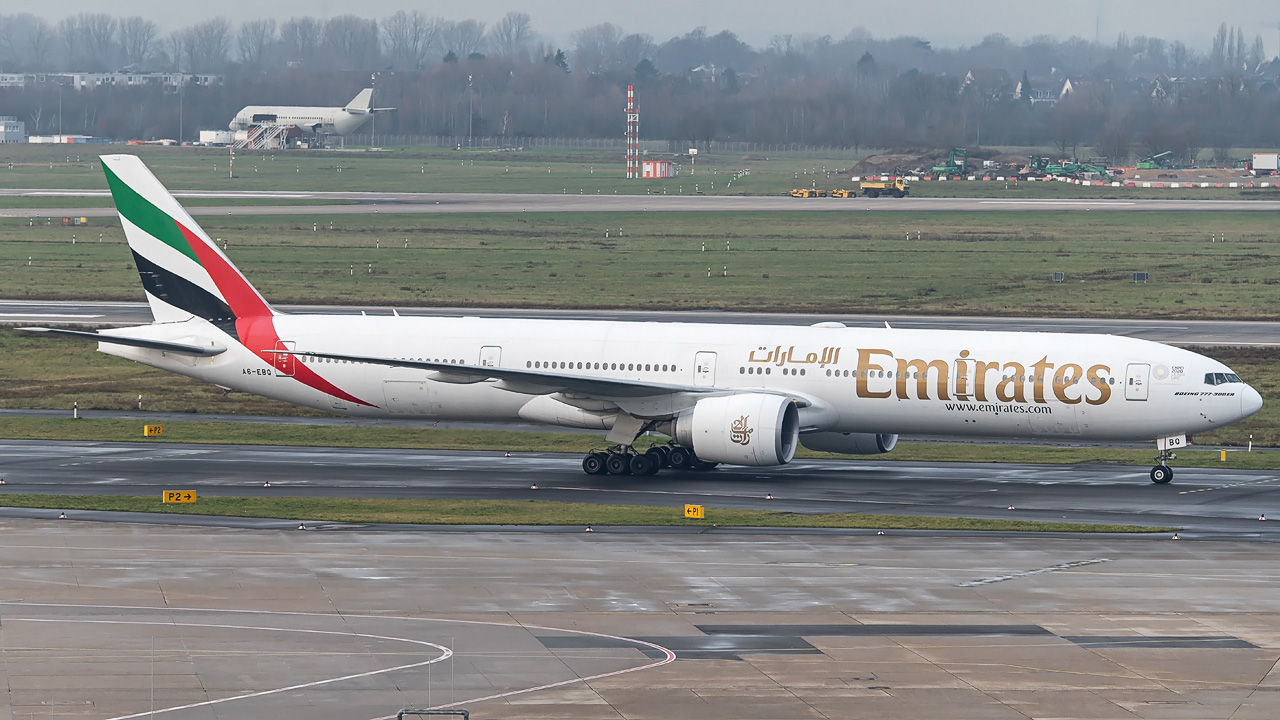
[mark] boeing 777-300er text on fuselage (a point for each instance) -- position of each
(311, 120)
(733, 394)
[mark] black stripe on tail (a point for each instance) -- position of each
(185, 295)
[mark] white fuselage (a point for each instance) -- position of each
(310, 120)
(862, 380)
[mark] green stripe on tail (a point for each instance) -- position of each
(146, 216)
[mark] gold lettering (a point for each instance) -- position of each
(1099, 382)
(864, 367)
(1060, 380)
(921, 369)
(1042, 368)
(1002, 389)
(983, 369)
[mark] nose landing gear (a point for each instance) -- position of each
(1162, 473)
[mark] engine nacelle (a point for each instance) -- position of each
(747, 429)
(849, 443)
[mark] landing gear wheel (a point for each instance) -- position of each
(642, 464)
(1161, 474)
(618, 464)
(593, 464)
(704, 465)
(680, 458)
(658, 455)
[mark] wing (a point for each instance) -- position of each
(530, 382)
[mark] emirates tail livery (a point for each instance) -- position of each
(733, 394)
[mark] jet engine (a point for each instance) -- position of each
(747, 429)
(849, 443)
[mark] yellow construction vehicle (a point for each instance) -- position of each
(844, 193)
(897, 187)
(808, 193)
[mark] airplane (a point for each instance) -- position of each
(311, 120)
(743, 395)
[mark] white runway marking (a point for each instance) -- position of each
(47, 315)
(1054, 202)
(669, 655)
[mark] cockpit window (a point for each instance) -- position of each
(1221, 378)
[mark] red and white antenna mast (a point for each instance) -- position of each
(633, 134)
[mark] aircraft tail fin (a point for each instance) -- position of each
(362, 101)
(185, 275)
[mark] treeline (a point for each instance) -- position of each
(1135, 96)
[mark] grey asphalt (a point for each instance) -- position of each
(360, 203)
(1177, 332)
(1206, 503)
(107, 621)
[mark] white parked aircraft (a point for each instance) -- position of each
(734, 394)
(311, 120)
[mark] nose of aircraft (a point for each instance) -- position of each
(1250, 401)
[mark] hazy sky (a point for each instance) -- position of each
(946, 23)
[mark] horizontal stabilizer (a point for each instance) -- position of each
(179, 348)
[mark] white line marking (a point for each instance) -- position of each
(670, 656)
(446, 653)
(1054, 202)
(46, 315)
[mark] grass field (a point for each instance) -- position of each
(945, 263)
(498, 512)
(589, 172)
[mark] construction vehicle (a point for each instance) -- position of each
(957, 165)
(898, 187)
(844, 193)
(1159, 161)
(808, 193)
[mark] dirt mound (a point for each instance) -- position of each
(887, 163)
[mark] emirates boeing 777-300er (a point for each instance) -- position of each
(732, 394)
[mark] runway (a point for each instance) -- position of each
(361, 203)
(1177, 332)
(1205, 503)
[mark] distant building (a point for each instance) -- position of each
(60, 139)
(12, 130)
(1041, 92)
(89, 81)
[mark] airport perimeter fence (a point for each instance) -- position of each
(655, 147)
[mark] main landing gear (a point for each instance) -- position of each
(626, 460)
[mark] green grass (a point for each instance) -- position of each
(588, 172)
(961, 263)
(500, 512)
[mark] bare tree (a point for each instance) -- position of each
(208, 45)
(69, 32)
(40, 40)
(175, 49)
(300, 38)
(410, 36)
(635, 48)
(512, 33)
(352, 42)
(463, 38)
(98, 31)
(1257, 54)
(595, 48)
(254, 41)
(137, 39)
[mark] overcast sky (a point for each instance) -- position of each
(946, 23)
